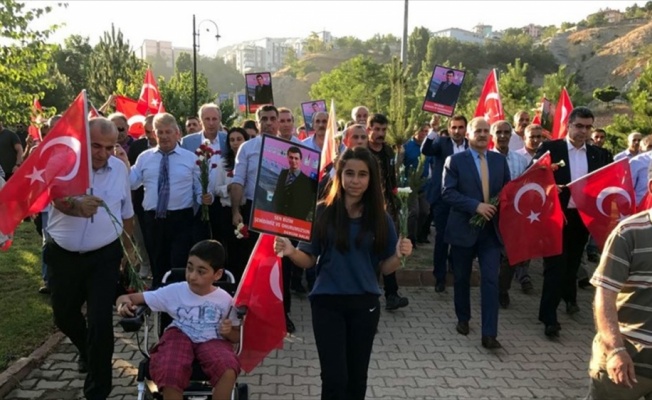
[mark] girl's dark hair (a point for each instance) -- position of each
(210, 251)
(334, 216)
(250, 124)
(229, 156)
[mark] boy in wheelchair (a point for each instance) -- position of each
(203, 327)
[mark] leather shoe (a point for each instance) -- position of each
(503, 299)
(552, 331)
(527, 287)
(462, 328)
(490, 342)
(440, 287)
(572, 308)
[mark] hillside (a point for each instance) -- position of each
(610, 55)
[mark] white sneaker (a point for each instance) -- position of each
(144, 271)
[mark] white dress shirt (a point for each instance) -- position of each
(215, 145)
(245, 171)
(78, 234)
(516, 142)
(579, 165)
(185, 189)
(523, 151)
(458, 148)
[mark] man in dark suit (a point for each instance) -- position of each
(440, 147)
(447, 92)
(471, 179)
(560, 272)
(295, 194)
(262, 92)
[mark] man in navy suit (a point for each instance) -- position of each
(471, 179)
(560, 272)
(440, 147)
(212, 131)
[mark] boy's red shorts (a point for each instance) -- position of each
(171, 359)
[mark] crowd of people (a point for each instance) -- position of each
(152, 184)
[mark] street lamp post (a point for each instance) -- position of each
(195, 49)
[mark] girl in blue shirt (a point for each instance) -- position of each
(353, 239)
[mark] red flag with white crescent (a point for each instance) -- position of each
(135, 119)
(530, 217)
(149, 100)
(261, 292)
(562, 115)
(489, 104)
(59, 166)
(34, 129)
(604, 197)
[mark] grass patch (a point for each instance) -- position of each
(26, 316)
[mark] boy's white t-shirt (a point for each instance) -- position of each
(197, 316)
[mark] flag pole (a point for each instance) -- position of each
(598, 170)
(88, 144)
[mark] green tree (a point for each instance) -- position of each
(358, 81)
(640, 99)
(397, 113)
(417, 48)
(25, 59)
(229, 113)
(113, 60)
(58, 97)
(71, 60)
(516, 92)
(606, 94)
(177, 94)
(161, 65)
(314, 44)
(221, 77)
(596, 20)
(553, 83)
(184, 63)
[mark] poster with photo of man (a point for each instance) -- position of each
(547, 114)
(286, 189)
(308, 109)
(259, 90)
(443, 91)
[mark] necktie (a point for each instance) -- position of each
(290, 179)
(163, 186)
(484, 177)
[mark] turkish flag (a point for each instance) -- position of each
(530, 219)
(34, 129)
(58, 167)
(129, 108)
(604, 197)
(328, 153)
(489, 105)
(150, 98)
(562, 115)
(646, 203)
(260, 291)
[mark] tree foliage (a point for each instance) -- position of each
(553, 83)
(25, 59)
(640, 99)
(606, 94)
(358, 81)
(184, 63)
(177, 94)
(111, 61)
(417, 48)
(516, 91)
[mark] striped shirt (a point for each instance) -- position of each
(627, 270)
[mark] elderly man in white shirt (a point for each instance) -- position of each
(533, 138)
(83, 256)
(633, 146)
(501, 132)
(517, 140)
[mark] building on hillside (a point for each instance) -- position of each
(150, 49)
(533, 30)
(266, 54)
(611, 16)
(479, 35)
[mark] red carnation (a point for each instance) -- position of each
(198, 163)
(213, 165)
(395, 191)
(229, 174)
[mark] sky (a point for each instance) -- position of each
(243, 20)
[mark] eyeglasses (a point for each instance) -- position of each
(536, 136)
(582, 126)
(636, 140)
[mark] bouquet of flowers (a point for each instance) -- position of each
(204, 155)
(403, 194)
(241, 231)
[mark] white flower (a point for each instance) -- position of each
(207, 142)
(561, 164)
(405, 190)
(202, 158)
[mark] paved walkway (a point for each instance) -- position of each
(417, 355)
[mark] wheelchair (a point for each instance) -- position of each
(200, 387)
